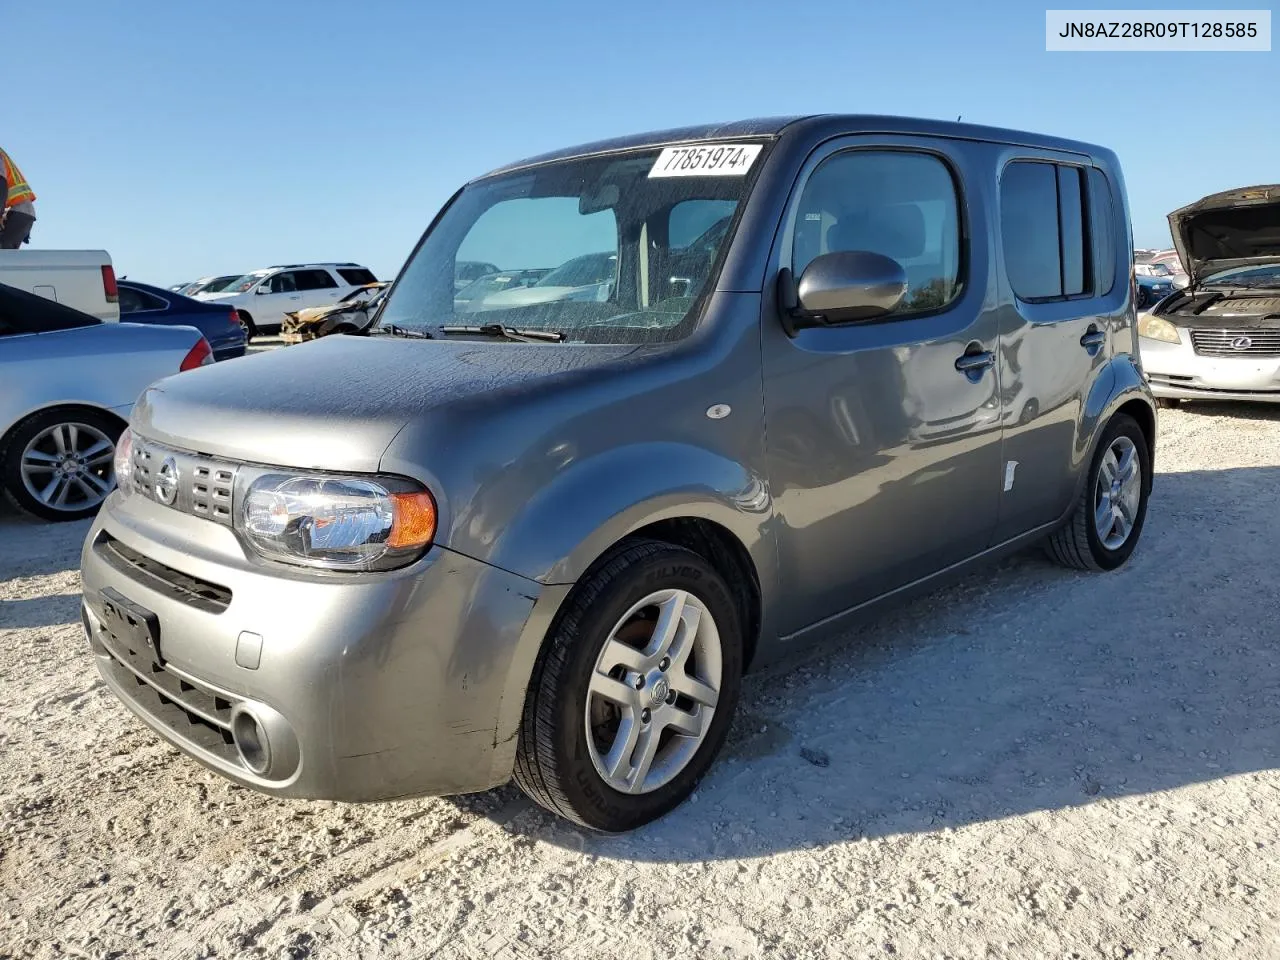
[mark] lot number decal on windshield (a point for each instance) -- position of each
(706, 160)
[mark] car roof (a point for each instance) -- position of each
(819, 124)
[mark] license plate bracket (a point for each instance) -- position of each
(132, 624)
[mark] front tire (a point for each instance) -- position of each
(1107, 521)
(59, 464)
(250, 328)
(634, 690)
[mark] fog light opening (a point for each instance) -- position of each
(251, 742)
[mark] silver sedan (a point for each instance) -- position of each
(67, 385)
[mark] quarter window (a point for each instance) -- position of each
(357, 276)
(314, 280)
(1103, 224)
(135, 301)
(899, 204)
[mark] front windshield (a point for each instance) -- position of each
(606, 251)
(1267, 275)
(246, 283)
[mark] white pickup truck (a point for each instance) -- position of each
(83, 279)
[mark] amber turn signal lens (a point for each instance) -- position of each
(415, 520)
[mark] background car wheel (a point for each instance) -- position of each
(1107, 521)
(58, 464)
(634, 690)
(250, 329)
(1168, 403)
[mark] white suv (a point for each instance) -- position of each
(263, 297)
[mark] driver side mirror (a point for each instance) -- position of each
(263, 288)
(842, 287)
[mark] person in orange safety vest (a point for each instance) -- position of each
(18, 204)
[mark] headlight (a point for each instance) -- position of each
(1157, 328)
(343, 523)
(124, 461)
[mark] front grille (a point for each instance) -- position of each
(192, 591)
(1236, 343)
(195, 714)
(190, 482)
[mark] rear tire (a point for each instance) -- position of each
(607, 698)
(59, 464)
(250, 328)
(1107, 521)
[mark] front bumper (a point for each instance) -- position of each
(1176, 371)
(367, 686)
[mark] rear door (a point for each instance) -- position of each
(1060, 242)
(884, 436)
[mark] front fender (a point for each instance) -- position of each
(594, 503)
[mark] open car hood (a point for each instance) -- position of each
(1235, 228)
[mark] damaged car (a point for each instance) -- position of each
(352, 314)
(1219, 339)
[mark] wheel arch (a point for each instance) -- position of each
(7, 436)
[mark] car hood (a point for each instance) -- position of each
(1235, 228)
(337, 403)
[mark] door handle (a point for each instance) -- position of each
(1093, 340)
(972, 365)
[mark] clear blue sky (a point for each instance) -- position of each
(195, 138)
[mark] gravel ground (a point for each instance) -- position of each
(1033, 763)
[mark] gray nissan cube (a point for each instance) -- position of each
(775, 374)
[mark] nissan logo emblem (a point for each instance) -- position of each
(1241, 343)
(166, 482)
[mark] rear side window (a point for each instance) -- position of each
(1102, 220)
(1047, 226)
(357, 276)
(899, 204)
(314, 280)
(134, 301)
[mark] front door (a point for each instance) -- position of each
(884, 436)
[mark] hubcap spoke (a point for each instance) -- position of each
(694, 689)
(615, 691)
(102, 450)
(618, 760)
(99, 486)
(64, 487)
(670, 619)
(688, 724)
(646, 750)
(1127, 465)
(1109, 467)
(619, 654)
(1104, 516)
(37, 456)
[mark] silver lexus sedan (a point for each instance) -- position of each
(1219, 339)
(67, 385)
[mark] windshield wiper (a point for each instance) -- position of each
(508, 333)
(391, 330)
